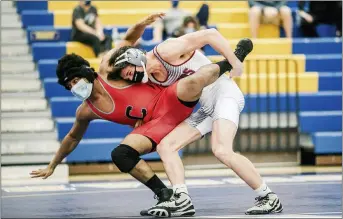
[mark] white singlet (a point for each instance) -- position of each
(220, 100)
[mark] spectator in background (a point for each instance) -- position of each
(270, 12)
(325, 12)
(190, 25)
(88, 29)
(203, 16)
(174, 19)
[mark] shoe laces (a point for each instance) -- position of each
(240, 52)
(172, 198)
(260, 201)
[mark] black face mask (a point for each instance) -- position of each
(137, 76)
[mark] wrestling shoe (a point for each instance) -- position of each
(180, 205)
(266, 205)
(243, 48)
(164, 195)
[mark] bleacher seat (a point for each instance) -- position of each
(327, 142)
(63, 34)
(26, 125)
(330, 81)
(323, 121)
(67, 5)
(324, 63)
(62, 18)
(309, 46)
(261, 47)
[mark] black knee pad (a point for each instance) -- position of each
(125, 157)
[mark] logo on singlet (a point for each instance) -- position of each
(187, 72)
(128, 113)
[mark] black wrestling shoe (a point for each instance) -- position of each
(164, 195)
(243, 48)
(266, 205)
(180, 205)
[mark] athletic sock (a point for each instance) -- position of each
(180, 188)
(155, 184)
(224, 66)
(263, 190)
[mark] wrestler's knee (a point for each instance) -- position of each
(189, 89)
(222, 151)
(125, 157)
(165, 149)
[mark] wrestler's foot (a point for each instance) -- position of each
(266, 205)
(180, 205)
(164, 195)
(243, 48)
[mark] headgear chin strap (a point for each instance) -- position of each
(82, 72)
(135, 57)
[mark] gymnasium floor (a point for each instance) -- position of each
(309, 194)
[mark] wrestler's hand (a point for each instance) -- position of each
(44, 173)
(138, 123)
(153, 17)
(237, 69)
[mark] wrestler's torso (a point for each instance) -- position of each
(174, 71)
(125, 105)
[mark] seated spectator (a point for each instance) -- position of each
(325, 12)
(190, 24)
(88, 29)
(174, 19)
(270, 12)
(203, 15)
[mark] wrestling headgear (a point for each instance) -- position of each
(135, 57)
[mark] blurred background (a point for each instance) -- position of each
(292, 80)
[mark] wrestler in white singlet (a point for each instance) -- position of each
(221, 100)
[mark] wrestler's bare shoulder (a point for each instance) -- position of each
(83, 112)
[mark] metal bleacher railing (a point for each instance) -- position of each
(270, 119)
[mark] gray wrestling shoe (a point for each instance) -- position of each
(164, 195)
(266, 205)
(180, 205)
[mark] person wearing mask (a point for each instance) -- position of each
(190, 25)
(174, 19)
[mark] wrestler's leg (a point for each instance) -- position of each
(169, 147)
(190, 88)
(127, 158)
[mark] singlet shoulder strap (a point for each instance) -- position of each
(167, 64)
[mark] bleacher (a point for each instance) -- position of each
(319, 66)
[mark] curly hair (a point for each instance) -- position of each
(70, 64)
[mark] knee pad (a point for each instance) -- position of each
(125, 157)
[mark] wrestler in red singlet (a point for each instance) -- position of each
(158, 106)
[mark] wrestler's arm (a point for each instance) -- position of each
(175, 48)
(136, 31)
(130, 39)
(69, 143)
